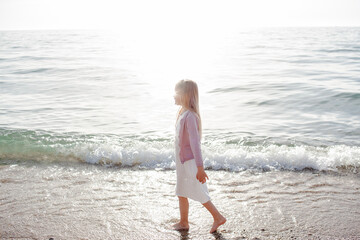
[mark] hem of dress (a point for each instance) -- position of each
(194, 199)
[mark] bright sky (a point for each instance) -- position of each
(158, 15)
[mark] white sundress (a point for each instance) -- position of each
(187, 185)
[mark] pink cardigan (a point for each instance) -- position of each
(189, 139)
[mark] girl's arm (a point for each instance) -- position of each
(194, 138)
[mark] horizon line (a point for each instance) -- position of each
(111, 29)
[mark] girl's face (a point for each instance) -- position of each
(177, 97)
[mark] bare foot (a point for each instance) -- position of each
(217, 223)
(181, 226)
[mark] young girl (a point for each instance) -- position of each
(191, 177)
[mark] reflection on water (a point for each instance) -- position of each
(184, 234)
(85, 201)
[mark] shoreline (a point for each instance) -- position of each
(82, 201)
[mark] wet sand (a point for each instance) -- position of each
(82, 201)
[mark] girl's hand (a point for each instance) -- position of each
(201, 175)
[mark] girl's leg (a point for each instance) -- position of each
(184, 215)
(184, 210)
(218, 218)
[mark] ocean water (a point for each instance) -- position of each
(276, 98)
(87, 124)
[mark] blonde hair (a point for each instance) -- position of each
(189, 96)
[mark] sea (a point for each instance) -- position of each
(87, 124)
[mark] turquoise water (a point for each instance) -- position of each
(276, 98)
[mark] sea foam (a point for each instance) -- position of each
(143, 153)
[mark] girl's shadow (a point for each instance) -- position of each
(184, 235)
(218, 236)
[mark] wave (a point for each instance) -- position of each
(146, 153)
(36, 70)
(341, 50)
(348, 95)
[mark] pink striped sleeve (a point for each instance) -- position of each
(194, 138)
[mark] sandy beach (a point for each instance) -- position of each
(82, 201)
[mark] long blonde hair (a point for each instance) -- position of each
(189, 96)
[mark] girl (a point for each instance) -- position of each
(191, 177)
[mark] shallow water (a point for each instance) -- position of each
(92, 202)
